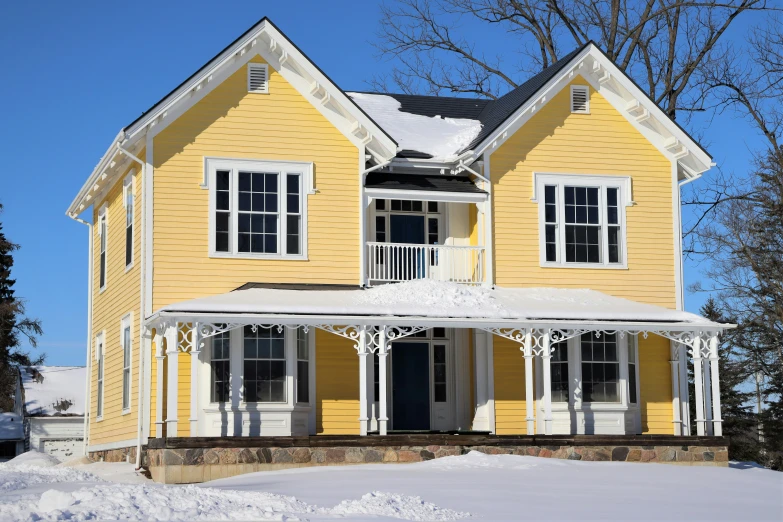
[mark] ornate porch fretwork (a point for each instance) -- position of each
(516, 335)
(207, 330)
(395, 333)
(352, 333)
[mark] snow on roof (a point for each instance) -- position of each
(11, 427)
(436, 299)
(54, 390)
(439, 137)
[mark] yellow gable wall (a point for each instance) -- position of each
(120, 296)
(602, 142)
(232, 123)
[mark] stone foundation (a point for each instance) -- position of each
(186, 460)
(114, 455)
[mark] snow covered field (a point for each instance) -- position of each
(474, 486)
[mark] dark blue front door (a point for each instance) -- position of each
(407, 263)
(410, 386)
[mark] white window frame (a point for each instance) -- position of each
(129, 186)
(100, 358)
(127, 324)
(282, 168)
(585, 88)
(624, 199)
(103, 247)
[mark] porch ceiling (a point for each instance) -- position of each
(427, 302)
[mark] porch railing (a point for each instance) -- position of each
(395, 262)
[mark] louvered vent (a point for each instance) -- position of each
(257, 78)
(580, 99)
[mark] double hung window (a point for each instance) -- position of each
(559, 371)
(103, 238)
(264, 375)
(126, 363)
(302, 366)
(582, 220)
(129, 203)
(600, 368)
(220, 385)
(99, 355)
(258, 208)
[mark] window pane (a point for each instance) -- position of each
(432, 207)
(417, 206)
(439, 333)
(265, 366)
(439, 372)
(302, 381)
(613, 234)
(128, 245)
(380, 204)
(220, 386)
(293, 224)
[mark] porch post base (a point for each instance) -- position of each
(171, 428)
(382, 424)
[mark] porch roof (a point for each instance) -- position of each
(428, 299)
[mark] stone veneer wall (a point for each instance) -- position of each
(189, 465)
(114, 455)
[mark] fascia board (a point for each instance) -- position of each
(108, 156)
(426, 195)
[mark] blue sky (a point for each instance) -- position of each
(73, 73)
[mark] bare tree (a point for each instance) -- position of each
(664, 45)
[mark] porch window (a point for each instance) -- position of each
(264, 364)
(600, 368)
(559, 371)
(129, 203)
(302, 366)
(126, 364)
(220, 387)
(632, 370)
(439, 371)
(582, 220)
(258, 208)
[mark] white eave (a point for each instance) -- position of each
(620, 91)
(266, 40)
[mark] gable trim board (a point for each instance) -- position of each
(614, 85)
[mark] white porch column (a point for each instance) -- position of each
(159, 358)
(383, 419)
(698, 385)
(707, 396)
(717, 420)
(481, 417)
(685, 404)
(363, 380)
(173, 380)
(546, 357)
(674, 360)
(195, 358)
(527, 351)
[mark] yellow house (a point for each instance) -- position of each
(274, 260)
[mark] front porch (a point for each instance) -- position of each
(183, 460)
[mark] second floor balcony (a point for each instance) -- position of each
(424, 227)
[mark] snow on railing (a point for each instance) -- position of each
(394, 262)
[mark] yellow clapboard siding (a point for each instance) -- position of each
(336, 385)
(119, 297)
(230, 122)
(510, 405)
(602, 142)
(183, 394)
(655, 384)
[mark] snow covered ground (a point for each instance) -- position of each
(474, 486)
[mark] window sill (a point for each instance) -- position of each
(251, 407)
(591, 406)
(128, 267)
(599, 266)
(274, 257)
(98, 419)
(126, 412)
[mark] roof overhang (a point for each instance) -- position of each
(284, 56)
(626, 96)
(426, 195)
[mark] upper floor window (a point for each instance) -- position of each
(125, 327)
(103, 238)
(128, 201)
(582, 220)
(99, 367)
(259, 208)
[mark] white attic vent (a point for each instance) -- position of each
(258, 78)
(580, 99)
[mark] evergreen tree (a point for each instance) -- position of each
(14, 325)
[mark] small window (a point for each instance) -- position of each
(600, 368)
(99, 394)
(259, 208)
(439, 371)
(126, 364)
(103, 233)
(559, 371)
(128, 199)
(264, 364)
(258, 78)
(220, 386)
(302, 366)
(632, 370)
(580, 99)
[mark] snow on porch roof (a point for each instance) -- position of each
(435, 299)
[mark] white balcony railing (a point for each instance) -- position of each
(395, 262)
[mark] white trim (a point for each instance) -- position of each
(677, 233)
(364, 205)
(282, 168)
(586, 91)
(112, 445)
(103, 266)
(127, 323)
(622, 183)
(264, 88)
(147, 274)
(488, 224)
(426, 195)
(624, 96)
